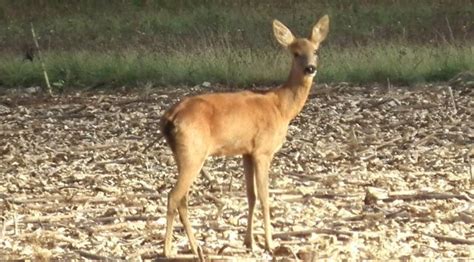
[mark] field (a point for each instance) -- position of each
(377, 166)
(366, 173)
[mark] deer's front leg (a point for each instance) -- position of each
(262, 165)
(251, 197)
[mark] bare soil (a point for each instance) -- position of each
(366, 173)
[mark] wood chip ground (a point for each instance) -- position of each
(366, 173)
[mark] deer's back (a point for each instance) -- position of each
(230, 123)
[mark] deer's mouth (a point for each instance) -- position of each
(314, 73)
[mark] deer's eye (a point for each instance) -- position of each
(315, 52)
(295, 54)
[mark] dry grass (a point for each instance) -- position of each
(365, 174)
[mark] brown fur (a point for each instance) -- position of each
(251, 124)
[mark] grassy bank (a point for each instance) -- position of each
(241, 67)
(184, 42)
(189, 24)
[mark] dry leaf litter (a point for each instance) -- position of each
(366, 173)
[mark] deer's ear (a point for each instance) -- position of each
(282, 33)
(320, 30)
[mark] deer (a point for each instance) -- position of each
(252, 124)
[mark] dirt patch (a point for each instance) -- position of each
(370, 173)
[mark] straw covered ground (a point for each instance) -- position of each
(380, 172)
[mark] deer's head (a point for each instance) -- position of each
(304, 50)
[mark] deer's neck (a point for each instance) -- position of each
(294, 93)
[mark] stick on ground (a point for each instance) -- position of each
(46, 78)
(454, 240)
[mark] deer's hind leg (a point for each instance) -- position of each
(189, 158)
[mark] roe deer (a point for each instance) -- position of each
(251, 124)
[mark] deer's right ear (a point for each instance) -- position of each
(320, 30)
(282, 33)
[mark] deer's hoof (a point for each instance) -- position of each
(168, 252)
(269, 247)
(249, 243)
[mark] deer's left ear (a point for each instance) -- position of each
(320, 30)
(282, 33)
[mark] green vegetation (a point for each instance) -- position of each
(113, 43)
(241, 67)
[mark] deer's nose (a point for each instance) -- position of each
(310, 69)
